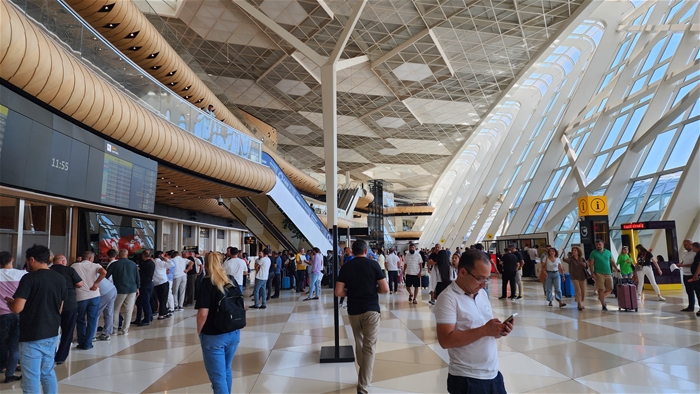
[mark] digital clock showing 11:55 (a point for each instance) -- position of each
(59, 164)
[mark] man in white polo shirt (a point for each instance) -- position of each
(466, 327)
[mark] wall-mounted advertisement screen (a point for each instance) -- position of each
(108, 231)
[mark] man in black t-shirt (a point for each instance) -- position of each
(510, 265)
(361, 279)
(69, 315)
(38, 301)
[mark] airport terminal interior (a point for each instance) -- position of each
(282, 125)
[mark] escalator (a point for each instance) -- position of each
(281, 218)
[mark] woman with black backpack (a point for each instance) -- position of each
(220, 315)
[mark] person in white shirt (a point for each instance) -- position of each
(262, 270)
(467, 329)
(88, 297)
(235, 267)
(161, 285)
(392, 269)
(179, 279)
(412, 263)
(685, 264)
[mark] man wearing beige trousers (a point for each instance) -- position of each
(360, 280)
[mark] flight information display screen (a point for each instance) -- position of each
(46, 153)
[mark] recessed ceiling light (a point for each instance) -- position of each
(134, 48)
(153, 55)
(155, 67)
(111, 25)
(132, 34)
(172, 83)
(170, 74)
(107, 8)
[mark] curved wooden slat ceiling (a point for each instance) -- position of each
(125, 26)
(406, 235)
(37, 65)
(364, 200)
(408, 210)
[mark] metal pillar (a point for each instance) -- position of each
(329, 65)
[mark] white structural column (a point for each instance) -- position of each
(329, 95)
(329, 65)
(330, 140)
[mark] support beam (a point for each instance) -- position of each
(347, 63)
(280, 31)
(329, 96)
(347, 30)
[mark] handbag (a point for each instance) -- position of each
(543, 273)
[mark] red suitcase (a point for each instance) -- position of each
(627, 296)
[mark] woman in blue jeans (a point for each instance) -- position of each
(218, 347)
(554, 271)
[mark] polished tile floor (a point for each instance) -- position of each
(551, 350)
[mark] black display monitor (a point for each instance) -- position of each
(43, 152)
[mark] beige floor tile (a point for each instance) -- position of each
(251, 362)
(72, 367)
(281, 384)
(290, 340)
(416, 355)
(687, 372)
(150, 346)
(575, 367)
(174, 355)
(571, 349)
(522, 382)
(387, 370)
(67, 389)
(427, 335)
(527, 344)
(433, 381)
(568, 387)
(579, 330)
(637, 375)
(280, 359)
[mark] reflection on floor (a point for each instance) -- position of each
(551, 350)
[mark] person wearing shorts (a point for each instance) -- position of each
(412, 264)
(602, 265)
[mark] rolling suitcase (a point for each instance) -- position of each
(567, 286)
(425, 281)
(286, 283)
(627, 296)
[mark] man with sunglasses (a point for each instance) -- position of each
(467, 329)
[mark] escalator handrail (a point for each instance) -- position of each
(282, 177)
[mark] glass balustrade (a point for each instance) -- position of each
(76, 36)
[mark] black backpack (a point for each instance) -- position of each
(230, 312)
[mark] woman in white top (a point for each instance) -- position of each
(381, 260)
(554, 272)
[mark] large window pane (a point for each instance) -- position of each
(632, 202)
(660, 197)
(633, 125)
(597, 166)
(684, 146)
(657, 152)
(614, 132)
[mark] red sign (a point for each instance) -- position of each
(634, 226)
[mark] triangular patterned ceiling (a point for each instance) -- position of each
(435, 68)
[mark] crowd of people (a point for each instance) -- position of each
(49, 294)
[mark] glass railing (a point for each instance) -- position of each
(69, 30)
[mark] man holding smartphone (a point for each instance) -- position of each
(466, 327)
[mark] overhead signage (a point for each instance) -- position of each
(592, 206)
(634, 226)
